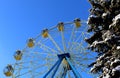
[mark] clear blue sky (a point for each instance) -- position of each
(22, 19)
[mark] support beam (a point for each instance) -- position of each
(77, 75)
(57, 64)
(60, 60)
(51, 69)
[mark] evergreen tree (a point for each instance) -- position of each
(104, 22)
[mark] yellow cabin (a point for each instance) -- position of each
(18, 55)
(45, 33)
(30, 43)
(77, 22)
(61, 26)
(8, 71)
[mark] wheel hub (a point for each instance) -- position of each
(63, 55)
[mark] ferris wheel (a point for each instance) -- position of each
(58, 52)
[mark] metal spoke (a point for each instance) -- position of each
(46, 48)
(71, 37)
(83, 33)
(63, 41)
(50, 37)
(40, 73)
(29, 71)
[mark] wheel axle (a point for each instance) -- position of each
(63, 55)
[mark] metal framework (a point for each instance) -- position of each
(58, 52)
(57, 64)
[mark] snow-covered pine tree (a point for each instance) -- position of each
(104, 22)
